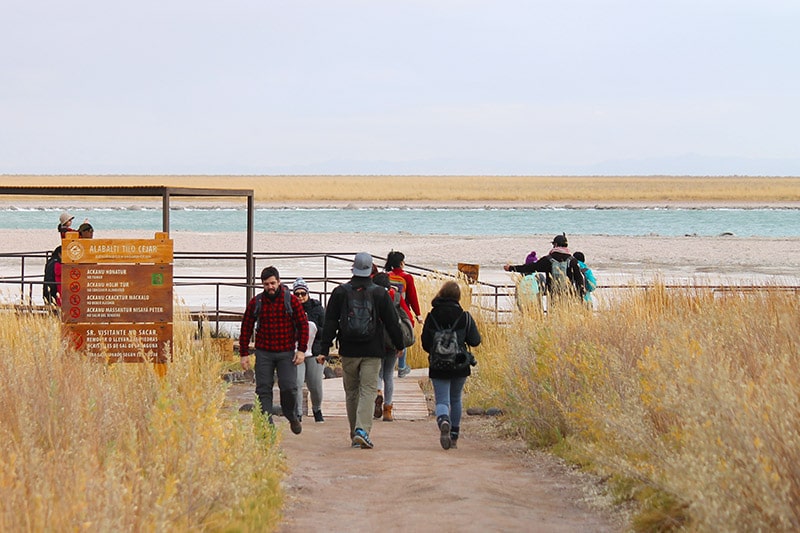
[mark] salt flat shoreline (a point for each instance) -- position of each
(617, 259)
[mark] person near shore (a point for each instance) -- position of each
(558, 255)
(281, 340)
(310, 371)
(361, 354)
(65, 224)
(588, 276)
(403, 283)
(383, 401)
(448, 384)
(531, 257)
(85, 231)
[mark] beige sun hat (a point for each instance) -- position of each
(65, 217)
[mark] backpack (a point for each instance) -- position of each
(49, 287)
(358, 320)
(405, 326)
(588, 275)
(446, 353)
(287, 303)
(559, 278)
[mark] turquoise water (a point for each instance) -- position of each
(419, 221)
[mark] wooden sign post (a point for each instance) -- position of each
(116, 298)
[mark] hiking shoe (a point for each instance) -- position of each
(318, 416)
(296, 425)
(403, 372)
(453, 439)
(362, 439)
(378, 412)
(444, 429)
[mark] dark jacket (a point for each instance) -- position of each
(316, 314)
(447, 312)
(387, 317)
(545, 265)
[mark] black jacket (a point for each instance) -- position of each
(316, 314)
(447, 312)
(387, 316)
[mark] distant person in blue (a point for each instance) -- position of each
(588, 275)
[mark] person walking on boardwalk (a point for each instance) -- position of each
(358, 312)
(449, 374)
(403, 283)
(281, 340)
(310, 372)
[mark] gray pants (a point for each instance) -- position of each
(310, 373)
(266, 365)
(360, 377)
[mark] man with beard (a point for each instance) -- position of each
(281, 341)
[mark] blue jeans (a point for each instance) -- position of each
(448, 398)
(266, 365)
(386, 376)
(401, 361)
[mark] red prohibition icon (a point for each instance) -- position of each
(74, 286)
(74, 274)
(75, 299)
(74, 312)
(77, 341)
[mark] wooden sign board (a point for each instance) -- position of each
(129, 343)
(116, 293)
(470, 271)
(105, 251)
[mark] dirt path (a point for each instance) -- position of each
(409, 483)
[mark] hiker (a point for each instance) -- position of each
(310, 371)
(560, 267)
(449, 379)
(281, 340)
(588, 275)
(51, 288)
(403, 283)
(358, 312)
(65, 224)
(383, 400)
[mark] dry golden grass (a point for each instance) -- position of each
(86, 446)
(534, 189)
(690, 397)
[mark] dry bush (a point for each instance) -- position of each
(116, 448)
(691, 395)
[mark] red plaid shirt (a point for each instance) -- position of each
(277, 331)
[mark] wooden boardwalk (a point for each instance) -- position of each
(408, 398)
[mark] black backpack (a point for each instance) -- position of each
(358, 320)
(446, 352)
(50, 287)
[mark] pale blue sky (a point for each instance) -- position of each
(435, 87)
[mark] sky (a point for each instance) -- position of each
(445, 87)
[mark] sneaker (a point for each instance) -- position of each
(403, 372)
(444, 429)
(318, 416)
(296, 425)
(378, 412)
(453, 439)
(362, 439)
(355, 444)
